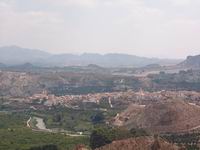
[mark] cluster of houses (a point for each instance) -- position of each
(141, 97)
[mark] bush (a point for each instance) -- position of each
(138, 132)
(98, 118)
(105, 135)
(45, 147)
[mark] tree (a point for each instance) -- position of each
(105, 135)
(99, 138)
(98, 118)
(45, 147)
(138, 132)
(57, 118)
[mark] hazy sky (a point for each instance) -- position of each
(153, 28)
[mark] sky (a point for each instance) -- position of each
(150, 28)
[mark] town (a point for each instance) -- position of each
(113, 98)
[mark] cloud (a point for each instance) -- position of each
(180, 2)
(68, 3)
(141, 27)
(10, 16)
(29, 27)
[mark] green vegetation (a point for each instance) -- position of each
(76, 120)
(68, 119)
(45, 147)
(184, 80)
(15, 136)
(189, 140)
(10, 120)
(23, 139)
(105, 135)
(98, 118)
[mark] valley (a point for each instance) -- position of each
(133, 105)
(99, 75)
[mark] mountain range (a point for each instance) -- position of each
(14, 55)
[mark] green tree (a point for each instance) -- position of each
(105, 135)
(45, 147)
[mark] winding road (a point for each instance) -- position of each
(40, 126)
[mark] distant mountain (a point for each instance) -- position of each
(108, 60)
(152, 67)
(2, 65)
(13, 55)
(191, 62)
(23, 66)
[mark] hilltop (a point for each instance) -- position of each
(191, 62)
(162, 116)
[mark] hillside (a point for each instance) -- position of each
(19, 84)
(26, 80)
(14, 55)
(140, 143)
(162, 116)
(191, 62)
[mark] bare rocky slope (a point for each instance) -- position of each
(23, 84)
(161, 117)
(140, 143)
(191, 62)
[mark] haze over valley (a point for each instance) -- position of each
(99, 75)
(81, 95)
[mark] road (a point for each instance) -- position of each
(28, 122)
(40, 126)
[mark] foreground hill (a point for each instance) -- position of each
(163, 116)
(14, 55)
(140, 143)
